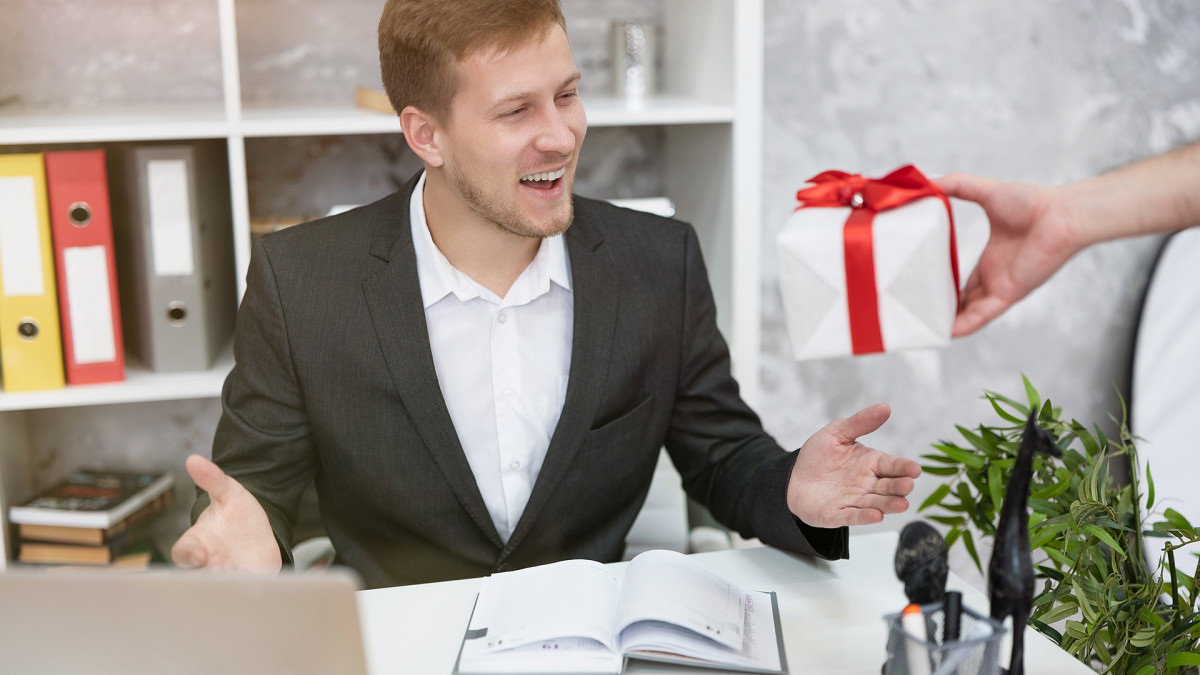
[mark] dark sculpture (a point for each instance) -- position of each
(921, 563)
(1010, 573)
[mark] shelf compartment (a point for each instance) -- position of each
(140, 386)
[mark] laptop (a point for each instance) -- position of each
(176, 621)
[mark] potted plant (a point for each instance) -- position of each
(1096, 596)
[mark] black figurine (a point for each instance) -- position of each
(1010, 573)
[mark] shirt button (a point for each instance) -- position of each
(514, 466)
(502, 318)
(507, 392)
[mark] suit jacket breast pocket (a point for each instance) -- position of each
(624, 434)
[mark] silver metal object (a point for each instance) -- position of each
(856, 200)
(633, 60)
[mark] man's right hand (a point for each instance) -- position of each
(233, 533)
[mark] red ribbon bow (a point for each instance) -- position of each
(866, 197)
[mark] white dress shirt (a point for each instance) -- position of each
(502, 363)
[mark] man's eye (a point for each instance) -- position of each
(514, 112)
(568, 95)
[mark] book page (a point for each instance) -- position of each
(670, 587)
(566, 655)
(573, 598)
(759, 649)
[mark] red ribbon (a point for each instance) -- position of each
(866, 197)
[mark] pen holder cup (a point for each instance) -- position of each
(976, 652)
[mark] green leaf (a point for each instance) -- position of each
(1105, 537)
(1060, 557)
(936, 497)
(969, 542)
(952, 536)
(1043, 506)
(1035, 401)
(1150, 485)
(1019, 407)
(1047, 413)
(1089, 443)
(964, 457)
(948, 520)
(940, 458)
(979, 443)
(1063, 611)
(1176, 518)
(1183, 659)
(1084, 605)
(1053, 490)
(995, 485)
(1046, 630)
(1002, 412)
(940, 470)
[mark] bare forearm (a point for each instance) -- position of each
(1155, 195)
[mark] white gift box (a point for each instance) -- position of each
(914, 278)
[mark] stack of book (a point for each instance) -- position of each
(92, 517)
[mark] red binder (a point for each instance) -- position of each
(81, 226)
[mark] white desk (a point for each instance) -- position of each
(832, 613)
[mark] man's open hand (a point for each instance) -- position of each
(233, 533)
(838, 481)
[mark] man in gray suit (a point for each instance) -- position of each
(478, 371)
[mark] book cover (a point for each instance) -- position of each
(91, 498)
(94, 536)
(121, 554)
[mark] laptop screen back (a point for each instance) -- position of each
(179, 622)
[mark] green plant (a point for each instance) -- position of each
(1086, 532)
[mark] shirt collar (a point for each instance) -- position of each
(439, 278)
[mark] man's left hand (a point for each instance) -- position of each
(837, 481)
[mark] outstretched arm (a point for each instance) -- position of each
(1035, 229)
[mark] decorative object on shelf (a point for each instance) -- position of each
(1010, 573)
(1098, 598)
(373, 98)
(868, 265)
(30, 339)
(633, 60)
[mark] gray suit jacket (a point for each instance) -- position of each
(335, 383)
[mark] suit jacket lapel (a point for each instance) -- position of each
(393, 296)
(596, 290)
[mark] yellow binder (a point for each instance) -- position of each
(30, 339)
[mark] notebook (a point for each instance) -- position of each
(174, 621)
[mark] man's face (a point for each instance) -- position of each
(512, 140)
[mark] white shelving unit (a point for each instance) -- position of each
(710, 109)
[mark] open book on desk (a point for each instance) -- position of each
(577, 617)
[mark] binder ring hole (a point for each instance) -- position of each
(80, 214)
(27, 329)
(176, 313)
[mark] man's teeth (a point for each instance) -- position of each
(553, 175)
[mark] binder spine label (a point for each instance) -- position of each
(20, 243)
(89, 306)
(168, 191)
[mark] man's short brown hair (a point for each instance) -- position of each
(421, 41)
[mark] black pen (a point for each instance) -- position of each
(953, 616)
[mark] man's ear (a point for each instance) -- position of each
(421, 133)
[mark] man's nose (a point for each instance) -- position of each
(556, 134)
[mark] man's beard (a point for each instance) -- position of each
(506, 217)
